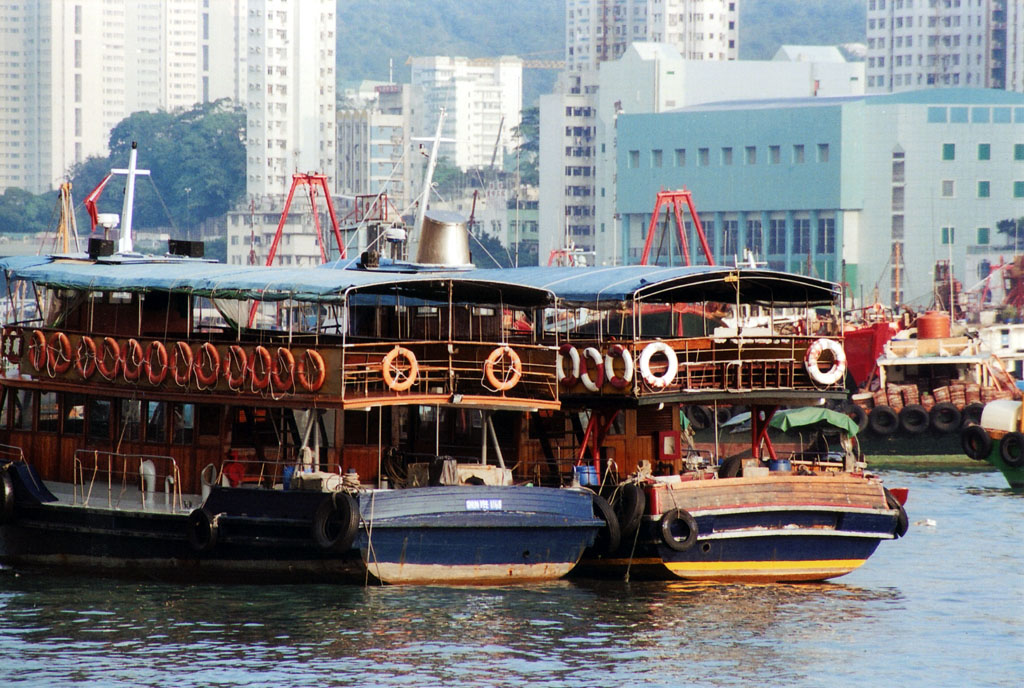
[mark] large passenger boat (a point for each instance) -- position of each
(139, 437)
(624, 374)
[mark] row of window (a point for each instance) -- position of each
(984, 151)
(726, 157)
(104, 420)
(753, 239)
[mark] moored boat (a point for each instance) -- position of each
(677, 511)
(998, 438)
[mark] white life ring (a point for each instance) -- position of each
(618, 381)
(592, 355)
(666, 378)
(814, 352)
(569, 380)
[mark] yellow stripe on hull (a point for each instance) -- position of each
(763, 571)
(469, 574)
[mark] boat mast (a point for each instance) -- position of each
(124, 243)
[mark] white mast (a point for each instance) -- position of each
(124, 243)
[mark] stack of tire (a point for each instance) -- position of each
(914, 419)
(702, 417)
(977, 444)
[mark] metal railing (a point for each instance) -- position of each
(123, 472)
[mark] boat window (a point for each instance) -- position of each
(156, 421)
(208, 421)
(21, 409)
(98, 419)
(74, 414)
(183, 423)
(131, 420)
(49, 413)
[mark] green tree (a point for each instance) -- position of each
(526, 157)
(1014, 231)
(196, 160)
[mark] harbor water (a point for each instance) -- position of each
(942, 607)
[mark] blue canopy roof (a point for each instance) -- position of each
(593, 287)
(606, 287)
(203, 278)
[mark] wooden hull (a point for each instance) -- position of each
(782, 528)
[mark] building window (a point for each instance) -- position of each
(798, 153)
(948, 188)
(983, 190)
(680, 157)
(727, 156)
(983, 235)
(774, 154)
(1018, 151)
(751, 155)
(776, 236)
(634, 159)
(949, 151)
(802, 236)
(984, 151)
(948, 235)
(730, 230)
(755, 238)
(822, 152)
(1018, 189)
(656, 158)
(703, 157)
(826, 235)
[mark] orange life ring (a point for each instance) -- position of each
(236, 354)
(207, 354)
(155, 375)
(283, 383)
(133, 358)
(512, 375)
(37, 350)
(399, 377)
(260, 379)
(85, 357)
(58, 353)
(109, 344)
(315, 381)
(182, 352)
(13, 344)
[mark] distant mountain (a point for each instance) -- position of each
(372, 32)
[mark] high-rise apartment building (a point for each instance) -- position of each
(375, 150)
(482, 99)
(70, 70)
(290, 99)
(599, 31)
(914, 44)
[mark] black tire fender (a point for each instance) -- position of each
(203, 529)
(972, 413)
(700, 417)
(610, 536)
(913, 419)
(731, 467)
(1011, 449)
(858, 415)
(629, 506)
(678, 521)
(902, 523)
(6, 497)
(883, 420)
(336, 522)
(945, 417)
(976, 442)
